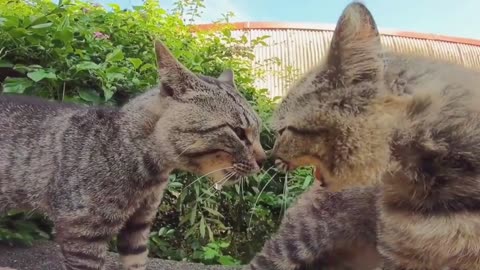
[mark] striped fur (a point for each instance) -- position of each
(409, 124)
(300, 242)
(98, 172)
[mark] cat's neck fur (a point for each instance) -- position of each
(142, 115)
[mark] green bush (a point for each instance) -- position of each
(79, 52)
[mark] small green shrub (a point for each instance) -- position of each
(79, 52)
(23, 228)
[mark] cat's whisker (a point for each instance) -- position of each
(201, 177)
(221, 183)
(184, 150)
(266, 171)
(258, 198)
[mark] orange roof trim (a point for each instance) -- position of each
(330, 27)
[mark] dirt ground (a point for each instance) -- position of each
(45, 256)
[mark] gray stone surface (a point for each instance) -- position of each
(45, 256)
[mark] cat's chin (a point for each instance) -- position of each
(223, 178)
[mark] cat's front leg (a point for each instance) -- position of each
(133, 237)
(324, 229)
(83, 241)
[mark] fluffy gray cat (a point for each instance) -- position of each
(100, 172)
(409, 126)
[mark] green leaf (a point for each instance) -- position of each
(193, 215)
(108, 93)
(115, 7)
(210, 234)
(41, 74)
(19, 32)
(307, 181)
(207, 192)
(227, 260)
(209, 253)
(147, 66)
(22, 68)
(224, 244)
(87, 65)
(5, 64)
(115, 56)
(213, 211)
(42, 25)
(115, 73)
(202, 227)
(175, 185)
(218, 222)
(16, 85)
(136, 62)
(10, 21)
(90, 96)
(196, 186)
(115, 76)
(64, 35)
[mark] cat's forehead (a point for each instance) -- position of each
(225, 100)
(294, 106)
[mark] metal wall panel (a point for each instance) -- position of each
(302, 49)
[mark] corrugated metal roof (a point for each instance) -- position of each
(302, 46)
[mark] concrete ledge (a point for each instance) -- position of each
(46, 256)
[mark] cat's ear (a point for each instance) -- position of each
(174, 77)
(355, 52)
(227, 77)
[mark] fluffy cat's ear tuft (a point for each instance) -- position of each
(174, 77)
(355, 52)
(227, 76)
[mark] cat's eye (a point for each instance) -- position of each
(240, 132)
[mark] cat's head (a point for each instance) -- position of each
(332, 117)
(205, 125)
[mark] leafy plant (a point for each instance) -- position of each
(80, 52)
(18, 227)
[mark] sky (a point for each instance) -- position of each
(425, 16)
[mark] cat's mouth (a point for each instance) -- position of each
(286, 166)
(230, 178)
(221, 168)
(234, 175)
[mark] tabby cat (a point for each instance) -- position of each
(405, 127)
(100, 172)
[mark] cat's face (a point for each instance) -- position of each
(210, 127)
(326, 120)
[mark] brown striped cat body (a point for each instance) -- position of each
(101, 172)
(407, 125)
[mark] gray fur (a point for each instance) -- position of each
(410, 124)
(99, 172)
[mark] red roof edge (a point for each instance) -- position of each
(330, 27)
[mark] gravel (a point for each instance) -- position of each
(46, 256)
